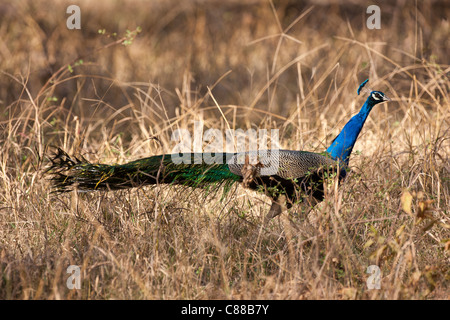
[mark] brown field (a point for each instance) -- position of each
(113, 96)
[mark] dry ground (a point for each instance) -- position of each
(115, 96)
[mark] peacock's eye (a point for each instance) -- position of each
(377, 96)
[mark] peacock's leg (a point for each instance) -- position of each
(276, 209)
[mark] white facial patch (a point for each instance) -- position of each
(375, 96)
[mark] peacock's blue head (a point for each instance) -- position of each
(376, 97)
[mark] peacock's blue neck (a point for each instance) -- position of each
(342, 145)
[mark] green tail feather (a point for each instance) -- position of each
(69, 173)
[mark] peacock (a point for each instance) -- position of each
(298, 176)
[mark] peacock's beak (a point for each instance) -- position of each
(385, 98)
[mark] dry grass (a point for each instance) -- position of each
(287, 66)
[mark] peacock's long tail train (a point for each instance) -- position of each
(68, 173)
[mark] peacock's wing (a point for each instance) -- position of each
(287, 164)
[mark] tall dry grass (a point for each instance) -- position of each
(293, 67)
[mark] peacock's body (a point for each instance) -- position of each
(296, 173)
